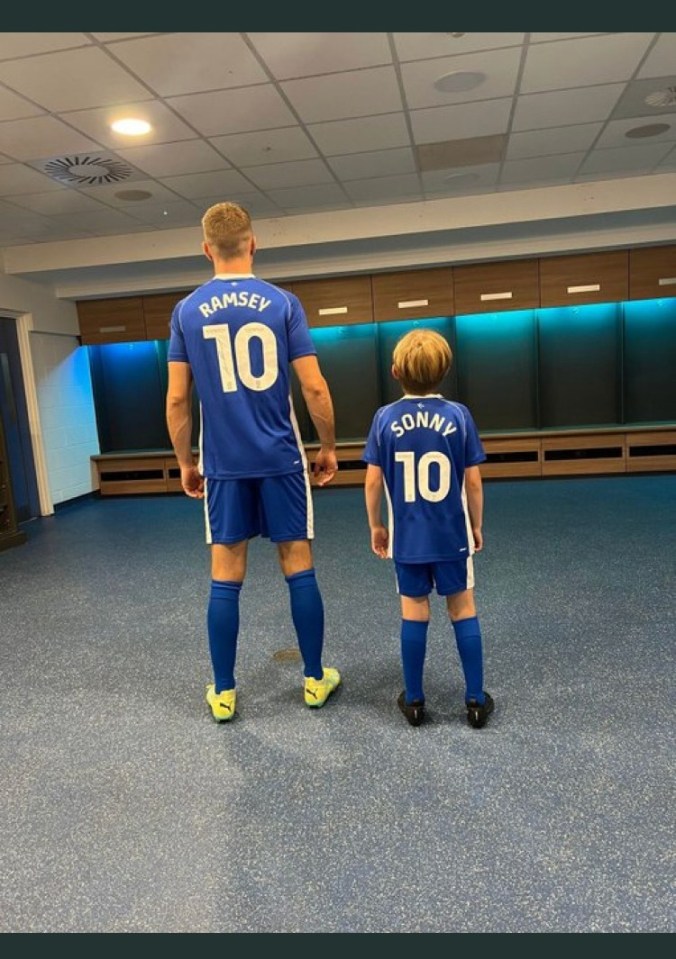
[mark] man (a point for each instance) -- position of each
(235, 338)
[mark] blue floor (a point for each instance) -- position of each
(125, 808)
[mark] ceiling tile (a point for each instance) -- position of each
(27, 225)
(342, 95)
(562, 107)
(111, 37)
(661, 59)
(545, 37)
(632, 103)
(42, 137)
(360, 166)
(572, 139)
(174, 214)
(366, 133)
(14, 45)
(171, 159)
(468, 180)
(197, 185)
(500, 69)
(422, 46)
(459, 153)
(107, 193)
(59, 201)
(325, 196)
(210, 61)
(614, 134)
(166, 126)
(632, 159)
(290, 55)
(583, 62)
(461, 121)
(233, 111)
(265, 146)
(552, 169)
(255, 203)
(106, 222)
(15, 179)
(667, 163)
(75, 80)
(278, 176)
(382, 189)
(13, 107)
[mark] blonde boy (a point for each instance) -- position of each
(423, 451)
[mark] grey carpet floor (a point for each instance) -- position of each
(125, 808)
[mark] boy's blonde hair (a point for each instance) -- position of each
(227, 228)
(421, 358)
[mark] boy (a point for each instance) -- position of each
(424, 451)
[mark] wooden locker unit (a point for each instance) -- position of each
(652, 272)
(157, 310)
(489, 287)
(118, 320)
(336, 301)
(351, 466)
(131, 473)
(583, 453)
(515, 455)
(413, 294)
(651, 450)
(584, 278)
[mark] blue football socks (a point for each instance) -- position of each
(468, 639)
(413, 648)
(222, 629)
(307, 613)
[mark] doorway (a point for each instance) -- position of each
(14, 413)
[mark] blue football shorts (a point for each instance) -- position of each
(418, 579)
(277, 507)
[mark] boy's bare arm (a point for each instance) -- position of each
(373, 494)
(475, 504)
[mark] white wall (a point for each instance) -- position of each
(58, 389)
(66, 404)
(49, 314)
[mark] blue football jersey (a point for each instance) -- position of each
(239, 334)
(423, 444)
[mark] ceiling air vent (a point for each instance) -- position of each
(87, 169)
(662, 98)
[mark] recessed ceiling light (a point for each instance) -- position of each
(131, 127)
(662, 98)
(133, 195)
(459, 81)
(648, 130)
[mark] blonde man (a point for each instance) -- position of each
(236, 338)
(423, 451)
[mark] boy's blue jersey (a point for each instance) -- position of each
(423, 444)
(239, 334)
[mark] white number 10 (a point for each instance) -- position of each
(423, 476)
(238, 367)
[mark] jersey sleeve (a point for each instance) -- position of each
(474, 450)
(176, 351)
(372, 451)
(300, 341)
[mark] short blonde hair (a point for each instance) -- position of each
(422, 358)
(227, 228)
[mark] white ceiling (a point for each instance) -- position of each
(296, 123)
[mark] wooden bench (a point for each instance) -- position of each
(509, 455)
